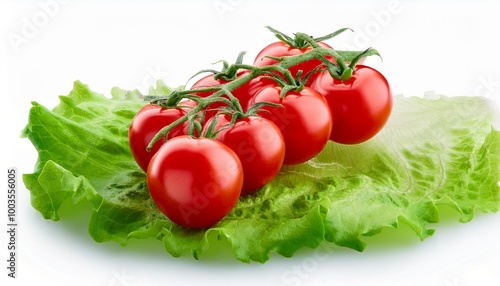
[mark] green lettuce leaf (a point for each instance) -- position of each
(432, 152)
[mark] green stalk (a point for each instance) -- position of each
(342, 72)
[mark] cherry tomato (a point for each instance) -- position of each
(282, 49)
(258, 144)
(252, 87)
(195, 182)
(304, 120)
(147, 122)
(360, 106)
(242, 93)
(207, 81)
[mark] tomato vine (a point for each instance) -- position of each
(279, 72)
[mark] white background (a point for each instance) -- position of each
(449, 47)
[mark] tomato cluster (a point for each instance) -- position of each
(231, 132)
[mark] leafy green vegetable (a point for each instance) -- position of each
(432, 152)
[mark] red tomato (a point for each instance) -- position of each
(195, 182)
(282, 49)
(304, 120)
(360, 106)
(253, 86)
(205, 82)
(258, 144)
(242, 93)
(187, 104)
(146, 123)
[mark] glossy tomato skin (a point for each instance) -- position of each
(304, 120)
(259, 145)
(195, 182)
(145, 125)
(205, 82)
(254, 86)
(242, 93)
(282, 49)
(360, 106)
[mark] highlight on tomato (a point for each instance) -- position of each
(289, 46)
(195, 182)
(361, 105)
(257, 118)
(148, 121)
(304, 120)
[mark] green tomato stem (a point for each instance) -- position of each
(342, 72)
